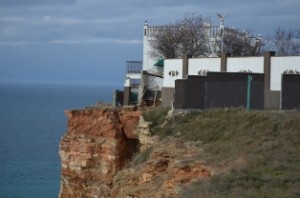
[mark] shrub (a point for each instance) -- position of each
(155, 115)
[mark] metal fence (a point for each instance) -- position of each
(290, 95)
(220, 90)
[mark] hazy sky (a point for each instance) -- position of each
(88, 41)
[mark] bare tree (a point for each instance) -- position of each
(285, 42)
(166, 42)
(194, 31)
(186, 36)
(239, 43)
(193, 35)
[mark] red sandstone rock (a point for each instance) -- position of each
(131, 119)
(94, 149)
(100, 141)
(171, 165)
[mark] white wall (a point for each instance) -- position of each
(133, 76)
(172, 65)
(148, 62)
(210, 64)
(278, 66)
(254, 64)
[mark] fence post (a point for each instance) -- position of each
(249, 92)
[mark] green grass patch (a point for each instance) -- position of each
(142, 156)
(260, 149)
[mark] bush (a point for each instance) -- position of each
(155, 115)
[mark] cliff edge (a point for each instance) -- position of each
(111, 153)
(215, 153)
(96, 146)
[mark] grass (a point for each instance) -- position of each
(142, 156)
(257, 153)
(157, 116)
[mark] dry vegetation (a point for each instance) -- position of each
(257, 153)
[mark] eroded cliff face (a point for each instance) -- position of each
(172, 164)
(99, 156)
(96, 146)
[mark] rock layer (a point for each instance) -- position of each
(172, 165)
(99, 142)
(96, 146)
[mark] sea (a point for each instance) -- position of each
(32, 122)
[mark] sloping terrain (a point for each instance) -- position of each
(216, 153)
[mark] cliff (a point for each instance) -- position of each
(215, 153)
(96, 146)
(170, 165)
(97, 157)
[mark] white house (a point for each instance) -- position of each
(270, 65)
(150, 74)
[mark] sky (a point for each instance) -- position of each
(89, 41)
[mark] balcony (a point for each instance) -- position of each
(133, 73)
(134, 67)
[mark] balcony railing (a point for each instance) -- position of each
(134, 67)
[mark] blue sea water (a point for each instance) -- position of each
(32, 121)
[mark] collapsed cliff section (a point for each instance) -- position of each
(215, 153)
(96, 146)
(112, 153)
(161, 171)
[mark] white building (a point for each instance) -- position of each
(156, 76)
(271, 66)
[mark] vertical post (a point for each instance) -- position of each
(115, 98)
(249, 92)
(127, 92)
(271, 99)
(224, 57)
(185, 66)
(267, 69)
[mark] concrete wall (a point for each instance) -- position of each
(208, 64)
(172, 72)
(272, 100)
(278, 66)
(253, 64)
(272, 67)
(148, 61)
(167, 96)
